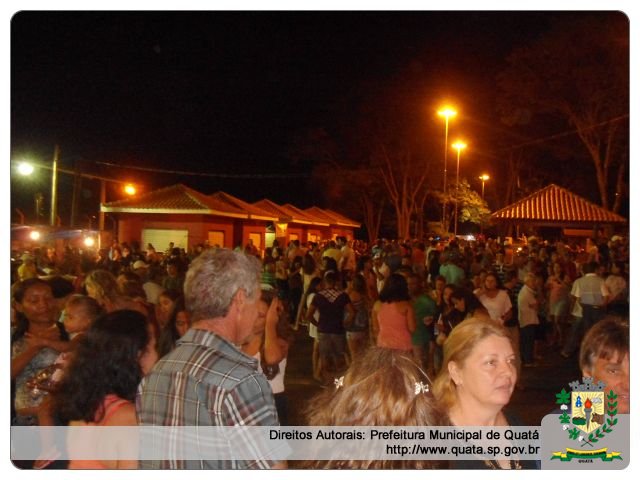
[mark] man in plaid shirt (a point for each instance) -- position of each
(206, 381)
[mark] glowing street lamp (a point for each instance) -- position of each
(25, 168)
(484, 177)
(446, 112)
(459, 146)
(130, 189)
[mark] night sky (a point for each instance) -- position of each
(228, 92)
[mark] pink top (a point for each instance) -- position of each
(558, 290)
(394, 332)
(111, 404)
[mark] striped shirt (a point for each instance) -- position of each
(206, 381)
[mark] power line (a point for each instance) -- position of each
(203, 174)
(567, 133)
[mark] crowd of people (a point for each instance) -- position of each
(201, 338)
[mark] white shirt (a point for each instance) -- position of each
(527, 307)
(497, 306)
(590, 290)
(277, 382)
(617, 286)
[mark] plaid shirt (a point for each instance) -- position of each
(205, 381)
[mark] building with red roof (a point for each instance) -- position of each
(187, 217)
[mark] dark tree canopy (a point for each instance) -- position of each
(579, 72)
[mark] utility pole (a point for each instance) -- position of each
(77, 185)
(54, 186)
(103, 200)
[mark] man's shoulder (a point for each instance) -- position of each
(214, 363)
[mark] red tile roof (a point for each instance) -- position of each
(235, 203)
(173, 199)
(556, 205)
(342, 219)
(331, 217)
(274, 209)
(320, 214)
(182, 199)
(306, 216)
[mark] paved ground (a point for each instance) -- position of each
(531, 404)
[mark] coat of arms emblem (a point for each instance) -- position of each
(588, 414)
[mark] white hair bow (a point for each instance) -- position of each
(421, 387)
(339, 382)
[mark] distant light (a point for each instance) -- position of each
(484, 177)
(34, 235)
(89, 241)
(470, 238)
(447, 112)
(130, 189)
(459, 145)
(25, 168)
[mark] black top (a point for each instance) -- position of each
(512, 420)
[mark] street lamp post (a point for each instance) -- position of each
(446, 112)
(25, 168)
(54, 186)
(459, 146)
(484, 177)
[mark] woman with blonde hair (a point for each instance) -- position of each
(476, 381)
(382, 387)
(103, 287)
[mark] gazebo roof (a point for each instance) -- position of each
(554, 205)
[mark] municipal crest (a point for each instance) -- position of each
(587, 408)
(588, 415)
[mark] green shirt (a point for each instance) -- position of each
(423, 306)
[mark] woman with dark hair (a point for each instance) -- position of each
(177, 326)
(100, 383)
(358, 328)
(365, 268)
(36, 342)
(495, 299)
(270, 346)
(468, 304)
(392, 318)
(314, 287)
(165, 307)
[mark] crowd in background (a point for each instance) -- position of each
(356, 300)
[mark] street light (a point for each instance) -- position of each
(130, 189)
(484, 177)
(446, 112)
(458, 146)
(25, 168)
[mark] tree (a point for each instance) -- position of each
(405, 181)
(350, 186)
(579, 72)
(471, 207)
